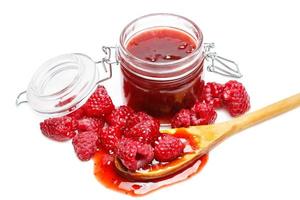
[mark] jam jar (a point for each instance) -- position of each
(161, 59)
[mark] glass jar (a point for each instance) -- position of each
(161, 88)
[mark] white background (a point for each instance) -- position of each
(263, 36)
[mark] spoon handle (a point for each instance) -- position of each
(263, 114)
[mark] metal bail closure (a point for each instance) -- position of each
(21, 98)
(220, 65)
(108, 61)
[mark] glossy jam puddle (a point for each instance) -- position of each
(106, 173)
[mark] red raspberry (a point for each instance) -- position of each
(203, 114)
(59, 128)
(181, 119)
(119, 116)
(90, 124)
(145, 131)
(235, 98)
(134, 154)
(99, 104)
(85, 144)
(109, 138)
(212, 94)
(77, 114)
(168, 148)
(137, 118)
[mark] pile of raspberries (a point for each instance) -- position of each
(232, 96)
(134, 137)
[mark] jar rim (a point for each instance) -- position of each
(199, 41)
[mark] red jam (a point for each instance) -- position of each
(106, 173)
(161, 45)
(162, 98)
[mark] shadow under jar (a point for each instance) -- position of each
(161, 58)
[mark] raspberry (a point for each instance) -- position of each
(134, 154)
(85, 144)
(144, 131)
(99, 104)
(235, 98)
(90, 124)
(181, 119)
(211, 94)
(109, 138)
(119, 116)
(77, 114)
(168, 148)
(59, 128)
(203, 114)
(137, 118)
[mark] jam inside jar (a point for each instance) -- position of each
(161, 59)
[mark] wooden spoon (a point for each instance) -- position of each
(208, 136)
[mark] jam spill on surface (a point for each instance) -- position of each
(106, 172)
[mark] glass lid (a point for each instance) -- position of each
(62, 84)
